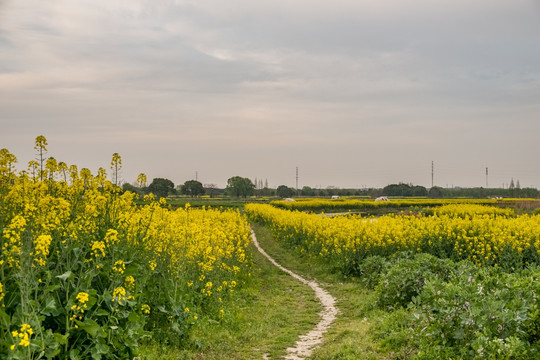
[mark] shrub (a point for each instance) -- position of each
(371, 270)
(405, 279)
(479, 313)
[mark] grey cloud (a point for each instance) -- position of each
(353, 92)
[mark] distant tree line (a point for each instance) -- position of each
(238, 186)
(404, 190)
(159, 187)
(480, 192)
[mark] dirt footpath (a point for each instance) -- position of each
(305, 345)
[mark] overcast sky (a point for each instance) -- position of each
(353, 92)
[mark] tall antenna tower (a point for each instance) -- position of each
(297, 181)
(432, 172)
(196, 176)
(486, 177)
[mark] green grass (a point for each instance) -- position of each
(274, 310)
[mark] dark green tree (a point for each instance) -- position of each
(419, 191)
(307, 191)
(331, 191)
(285, 191)
(392, 190)
(436, 192)
(239, 186)
(402, 189)
(129, 187)
(345, 192)
(210, 189)
(192, 188)
(161, 187)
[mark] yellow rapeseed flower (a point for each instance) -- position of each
(145, 309)
(119, 266)
(82, 297)
(119, 295)
(41, 248)
(23, 336)
(130, 282)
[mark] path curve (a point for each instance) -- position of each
(308, 342)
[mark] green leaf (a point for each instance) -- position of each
(96, 355)
(4, 318)
(64, 276)
(459, 334)
(91, 327)
(101, 312)
(52, 288)
(134, 317)
(74, 354)
(102, 348)
(61, 339)
(50, 307)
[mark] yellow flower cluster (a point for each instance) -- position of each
(145, 309)
(119, 295)
(328, 205)
(486, 239)
(12, 243)
(23, 336)
(98, 249)
(130, 282)
(209, 243)
(470, 210)
(82, 297)
(119, 266)
(78, 309)
(111, 237)
(344, 203)
(2, 295)
(41, 248)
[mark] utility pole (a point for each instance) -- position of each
(297, 181)
(196, 176)
(432, 172)
(486, 177)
